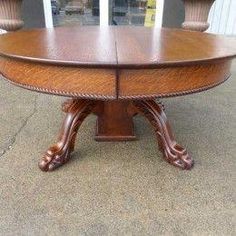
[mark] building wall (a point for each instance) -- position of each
(33, 13)
(222, 17)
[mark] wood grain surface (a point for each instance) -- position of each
(143, 47)
(115, 62)
(115, 46)
(61, 80)
(172, 81)
(66, 45)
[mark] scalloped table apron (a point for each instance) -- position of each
(115, 73)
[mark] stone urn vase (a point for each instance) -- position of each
(10, 15)
(196, 14)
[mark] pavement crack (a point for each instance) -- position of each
(24, 123)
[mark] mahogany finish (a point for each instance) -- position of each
(119, 67)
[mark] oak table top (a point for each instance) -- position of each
(115, 72)
(116, 47)
(115, 61)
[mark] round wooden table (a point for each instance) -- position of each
(115, 73)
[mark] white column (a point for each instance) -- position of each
(3, 31)
(222, 17)
(104, 12)
(159, 13)
(48, 13)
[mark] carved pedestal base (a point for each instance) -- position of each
(172, 151)
(59, 154)
(114, 123)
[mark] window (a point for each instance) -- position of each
(133, 12)
(103, 12)
(72, 12)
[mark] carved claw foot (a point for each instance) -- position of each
(59, 154)
(178, 156)
(54, 158)
(173, 152)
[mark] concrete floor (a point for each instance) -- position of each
(118, 188)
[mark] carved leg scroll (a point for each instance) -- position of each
(59, 154)
(173, 152)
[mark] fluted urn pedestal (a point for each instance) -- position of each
(10, 15)
(196, 14)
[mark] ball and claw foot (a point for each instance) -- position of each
(56, 156)
(52, 160)
(179, 157)
(172, 152)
